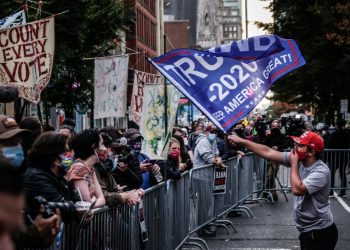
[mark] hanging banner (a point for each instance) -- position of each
(16, 19)
(227, 82)
(26, 57)
(140, 79)
(152, 123)
(111, 76)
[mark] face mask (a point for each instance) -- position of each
(174, 154)
(239, 132)
(14, 155)
(275, 130)
(66, 162)
(301, 155)
(212, 137)
(136, 147)
(102, 154)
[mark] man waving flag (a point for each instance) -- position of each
(227, 82)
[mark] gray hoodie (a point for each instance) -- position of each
(204, 152)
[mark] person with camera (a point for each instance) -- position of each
(311, 182)
(12, 230)
(127, 172)
(88, 150)
(149, 169)
(44, 178)
(112, 192)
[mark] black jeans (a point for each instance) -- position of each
(323, 239)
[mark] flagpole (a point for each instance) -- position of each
(19, 109)
(165, 95)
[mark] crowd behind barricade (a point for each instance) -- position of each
(51, 177)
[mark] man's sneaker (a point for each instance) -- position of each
(204, 232)
(342, 194)
(331, 194)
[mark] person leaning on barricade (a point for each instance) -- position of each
(88, 150)
(112, 192)
(185, 156)
(127, 172)
(44, 178)
(206, 152)
(310, 180)
(173, 167)
(150, 169)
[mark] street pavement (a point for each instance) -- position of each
(273, 228)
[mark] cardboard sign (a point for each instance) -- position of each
(219, 182)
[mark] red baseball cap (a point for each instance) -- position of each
(310, 139)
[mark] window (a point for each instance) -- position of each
(230, 31)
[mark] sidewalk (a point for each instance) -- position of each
(273, 228)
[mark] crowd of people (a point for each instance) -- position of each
(106, 168)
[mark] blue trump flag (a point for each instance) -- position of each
(227, 82)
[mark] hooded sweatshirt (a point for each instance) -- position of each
(204, 152)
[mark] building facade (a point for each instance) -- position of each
(231, 21)
(211, 22)
(142, 36)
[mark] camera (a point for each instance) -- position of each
(50, 207)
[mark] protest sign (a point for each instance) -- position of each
(227, 82)
(140, 79)
(219, 181)
(26, 57)
(152, 123)
(111, 75)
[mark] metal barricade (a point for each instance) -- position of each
(173, 210)
(202, 200)
(155, 216)
(180, 215)
(338, 162)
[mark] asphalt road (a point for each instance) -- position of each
(272, 227)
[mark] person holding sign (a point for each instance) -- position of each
(311, 181)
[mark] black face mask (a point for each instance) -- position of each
(239, 132)
(275, 131)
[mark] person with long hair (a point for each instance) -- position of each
(88, 150)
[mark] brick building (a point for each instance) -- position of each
(142, 36)
(177, 33)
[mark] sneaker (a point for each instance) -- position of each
(342, 195)
(205, 232)
(275, 197)
(233, 214)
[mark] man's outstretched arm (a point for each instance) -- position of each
(259, 149)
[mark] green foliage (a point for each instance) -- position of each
(324, 80)
(86, 31)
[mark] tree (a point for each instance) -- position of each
(323, 80)
(86, 31)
